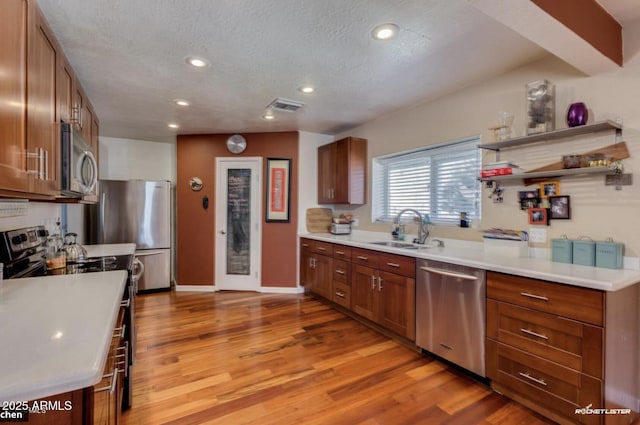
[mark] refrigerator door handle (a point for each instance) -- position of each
(138, 264)
(102, 207)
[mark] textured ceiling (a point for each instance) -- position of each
(130, 58)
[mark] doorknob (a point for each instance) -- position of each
(222, 232)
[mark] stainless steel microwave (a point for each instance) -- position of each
(78, 169)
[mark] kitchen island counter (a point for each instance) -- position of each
(56, 332)
(472, 254)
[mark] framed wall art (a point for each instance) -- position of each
(538, 216)
(550, 188)
(278, 189)
(559, 208)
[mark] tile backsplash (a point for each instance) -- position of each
(37, 213)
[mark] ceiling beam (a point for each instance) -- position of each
(580, 32)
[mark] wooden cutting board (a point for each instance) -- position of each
(319, 220)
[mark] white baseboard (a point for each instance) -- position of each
(195, 288)
(262, 289)
(281, 290)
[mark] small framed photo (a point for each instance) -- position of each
(538, 216)
(550, 188)
(559, 208)
(528, 194)
(527, 203)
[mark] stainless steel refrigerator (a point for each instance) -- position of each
(137, 211)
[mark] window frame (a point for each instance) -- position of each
(444, 162)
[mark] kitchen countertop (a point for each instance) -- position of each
(55, 332)
(106, 250)
(472, 254)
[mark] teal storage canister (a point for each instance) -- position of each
(584, 252)
(609, 254)
(562, 250)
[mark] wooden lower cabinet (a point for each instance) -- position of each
(315, 267)
(547, 346)
(377, 286)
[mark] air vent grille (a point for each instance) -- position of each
(285, 104)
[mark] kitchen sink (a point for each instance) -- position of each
(392, 244)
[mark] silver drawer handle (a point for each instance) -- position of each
(340, 294)
(340, 271)
(373, 283)
(126, 303)
(534, 296)
(305, 245)
(362, 257)
(321, 248)
(340, 252)
(532, 333)
(531, 378)
(393, 264)
(112, 386)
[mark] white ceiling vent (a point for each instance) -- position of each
(285, 104)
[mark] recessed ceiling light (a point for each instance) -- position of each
(307, 89)
(197, 61)
(385, 32)
(172, 125)
(181, 102)
(268, 115)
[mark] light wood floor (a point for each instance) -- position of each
(247, 358)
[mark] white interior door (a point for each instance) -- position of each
(238, 231)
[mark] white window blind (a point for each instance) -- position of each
(440, 181)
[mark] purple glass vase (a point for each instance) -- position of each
(577, 114)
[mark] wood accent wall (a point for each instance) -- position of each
(195, 239)
(590, 21)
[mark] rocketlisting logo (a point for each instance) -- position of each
(590, 411)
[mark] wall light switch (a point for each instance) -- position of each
(537, 235)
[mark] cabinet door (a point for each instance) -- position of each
(13, 21)
(42, 129)
(306, 269)
(326, 174)
(87, 120)
(65, 90)
(323, 276)
(396, 304)
(363, 291)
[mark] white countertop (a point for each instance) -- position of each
(472, 254)
(107, 250)
(55, 332)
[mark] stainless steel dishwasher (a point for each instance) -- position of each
(450, 313)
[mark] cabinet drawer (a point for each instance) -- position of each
(341, 271)
(567, 342)
(399, 264)
(365, 257)
(342, 294)
(320, 247)
(342, 251)
(584, 304)
(545, 383)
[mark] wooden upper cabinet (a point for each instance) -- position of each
(65, 91)
(13, 22)
(342, 172)
(42, 132)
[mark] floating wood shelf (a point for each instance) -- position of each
(550, 174)
(552, 135)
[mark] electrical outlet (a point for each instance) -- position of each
(355, 222)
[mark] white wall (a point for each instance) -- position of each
(598, 211)
(308, 173)
(37, 213)
(127, 159)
